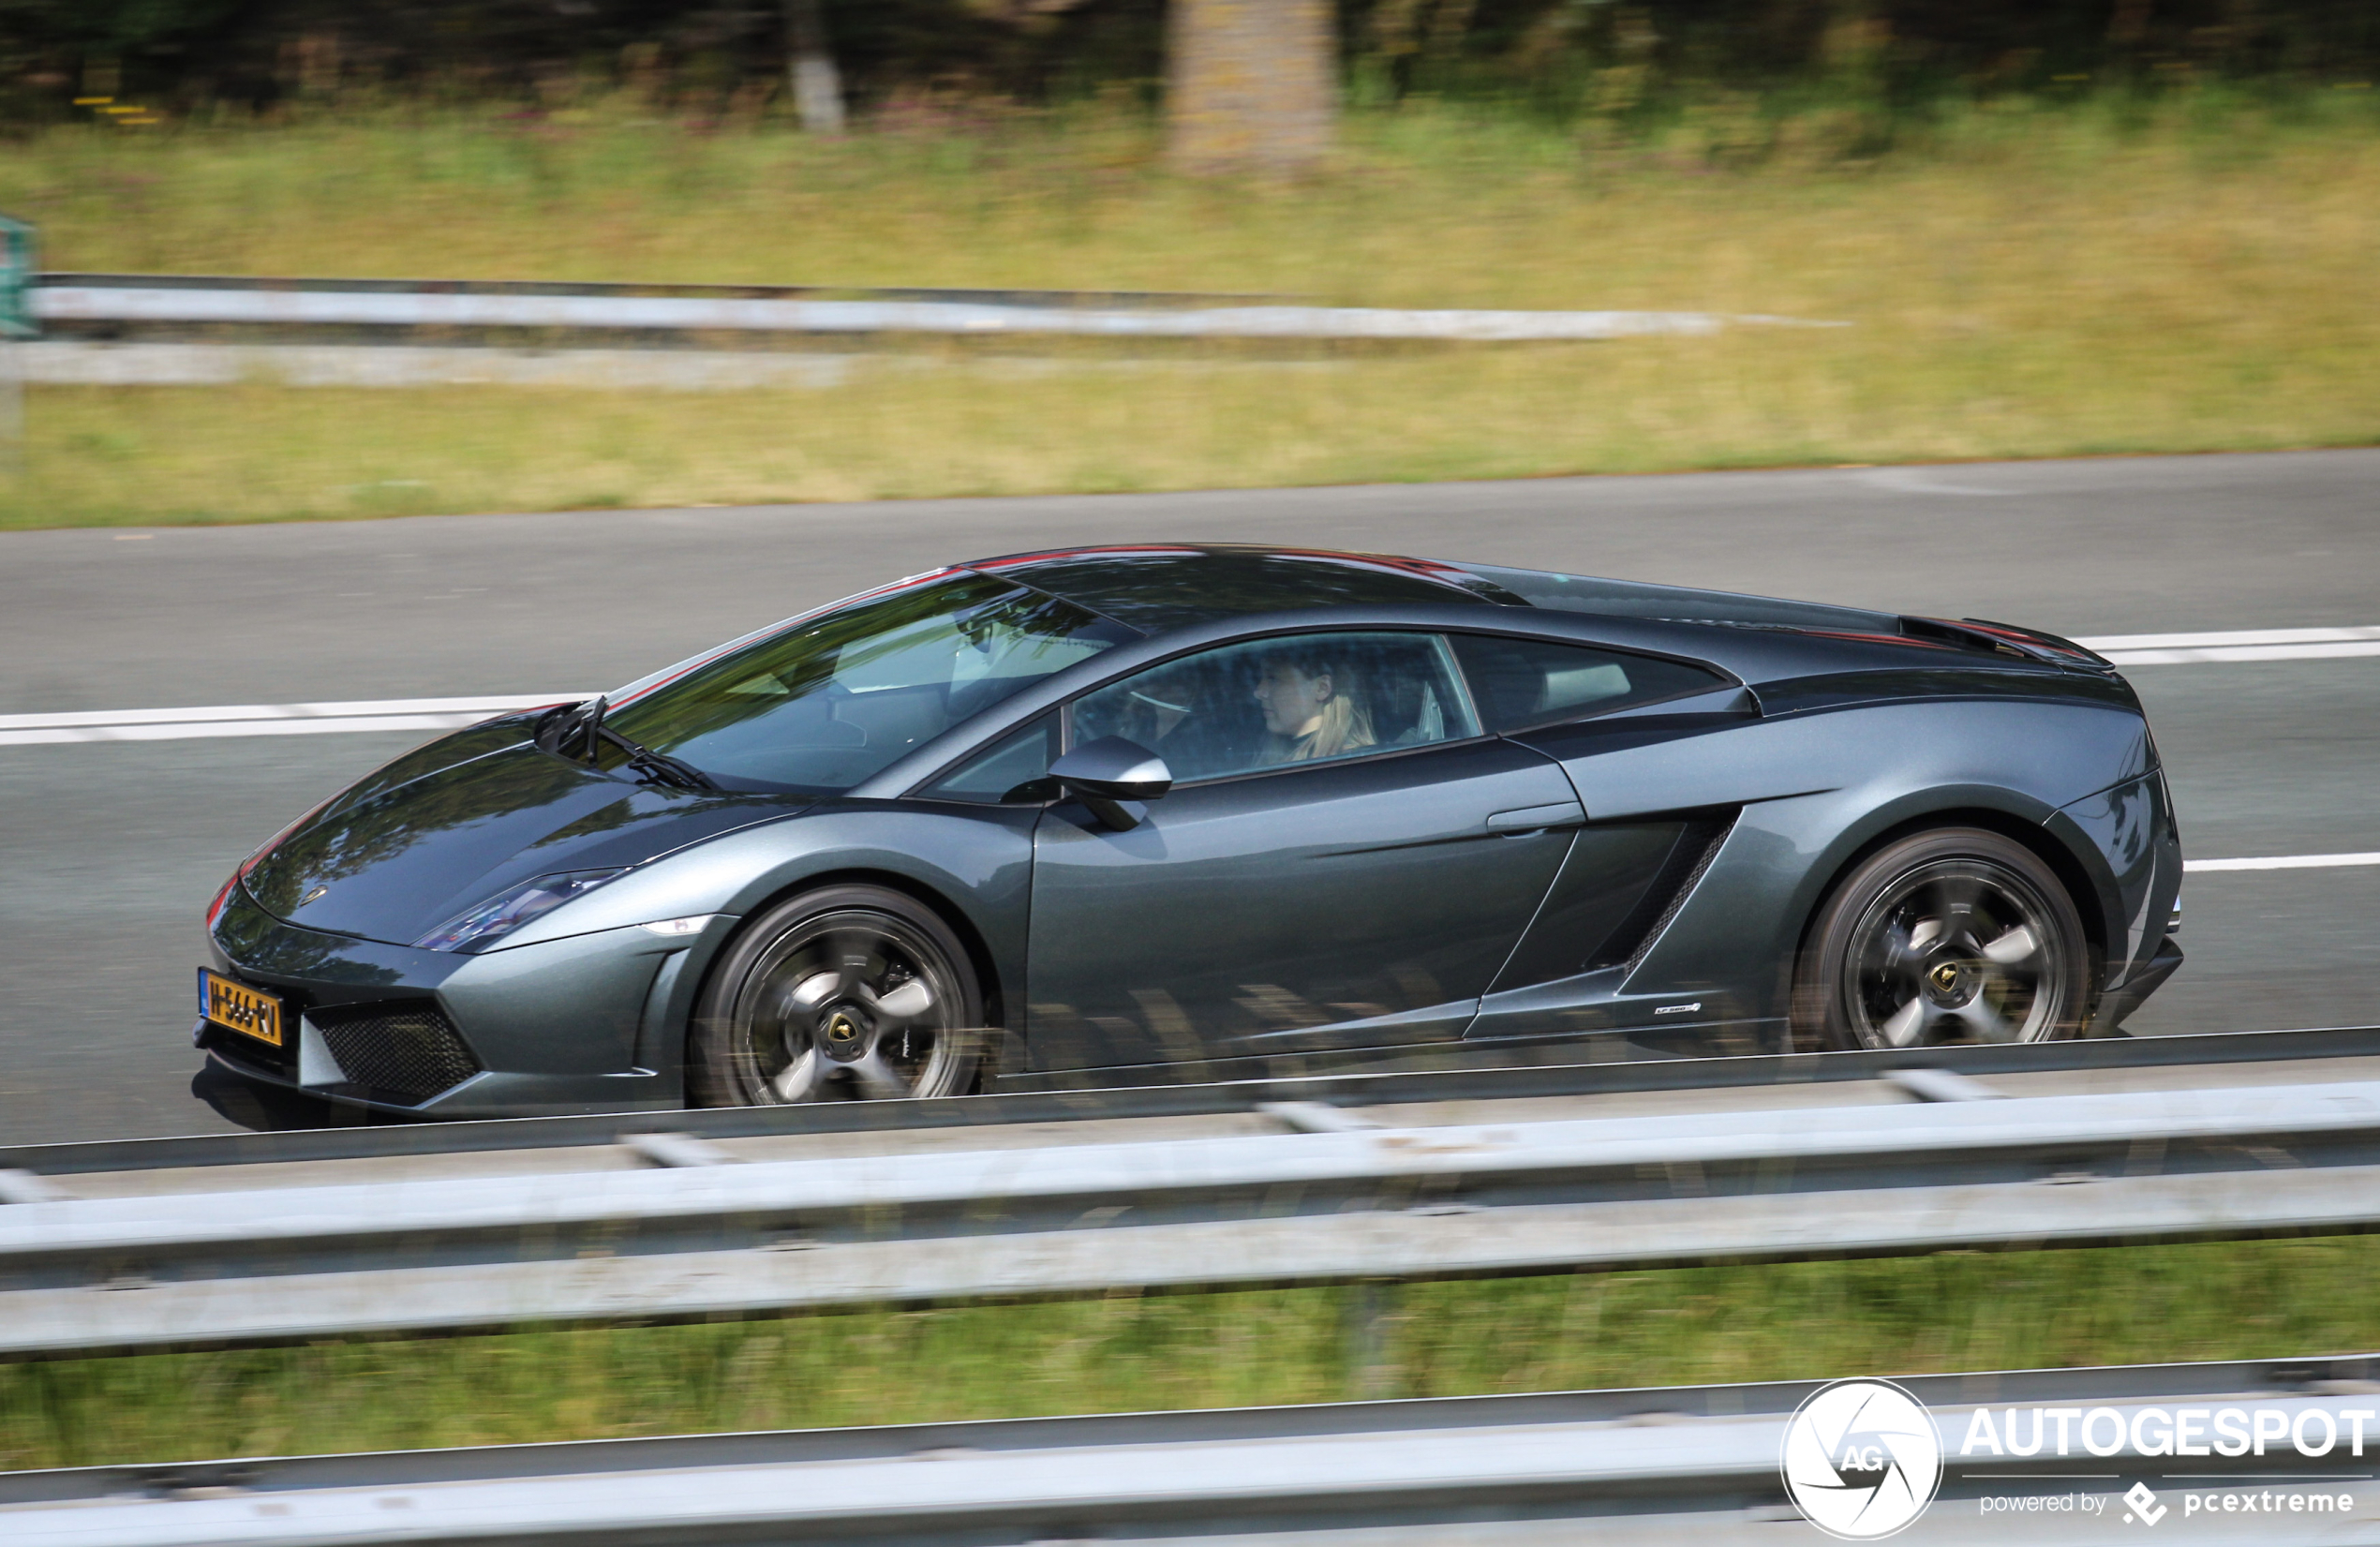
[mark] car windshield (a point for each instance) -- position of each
(836, 699)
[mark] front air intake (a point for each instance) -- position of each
(410, 1051)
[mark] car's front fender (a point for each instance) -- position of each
(975, 861)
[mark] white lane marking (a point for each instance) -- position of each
(284, 711)
(2185, 649)
(2240, 652)
(240, 727)
(2231, 636)
(2282, 862)
(398, 714)
(1916, 480)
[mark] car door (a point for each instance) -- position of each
(1642, 848)
(1343, 861)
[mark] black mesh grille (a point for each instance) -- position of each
(407, 1051)
(1685, 889)
(1697, 846)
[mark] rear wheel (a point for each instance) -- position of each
(1955, 935)
(845, 992)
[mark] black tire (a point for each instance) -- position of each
(1954, 935)
(843, 992)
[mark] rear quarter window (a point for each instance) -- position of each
(1518, 684)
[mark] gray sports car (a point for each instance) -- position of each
(1190, 812)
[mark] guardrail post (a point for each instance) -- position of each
(1369, 1312)
(16, 323)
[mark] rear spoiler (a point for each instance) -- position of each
(1977, 634)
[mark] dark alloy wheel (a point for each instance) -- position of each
(845, 992)
(1955, 935)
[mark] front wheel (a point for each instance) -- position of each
(847, 991)
(1955, 935)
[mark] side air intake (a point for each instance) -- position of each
(1689, 859)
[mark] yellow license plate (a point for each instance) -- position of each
(237, 1007)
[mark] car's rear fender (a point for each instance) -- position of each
(1737, 933)
(1817, 790)
(2126, 834)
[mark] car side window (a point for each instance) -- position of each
(1274, 703)
(1008, 769)
(1518, 684)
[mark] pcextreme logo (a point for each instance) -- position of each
(1862, 1459)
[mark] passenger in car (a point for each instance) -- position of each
(1312, 708)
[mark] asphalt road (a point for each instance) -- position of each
(109, 851)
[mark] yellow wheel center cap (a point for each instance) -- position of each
(842, 1029)
(1946, 976)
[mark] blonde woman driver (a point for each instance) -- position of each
(1312, 708)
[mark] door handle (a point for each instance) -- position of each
(1532, 819)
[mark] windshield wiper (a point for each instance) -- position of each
(554, 727)
(584, 724)
(660, 768)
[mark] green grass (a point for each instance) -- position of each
(1955, 1311)
(2023, 280)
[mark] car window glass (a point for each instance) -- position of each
(1272, 703)
(1522, 682)
(832, 701)
(1018, 759)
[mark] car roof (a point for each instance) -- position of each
(1157, 588)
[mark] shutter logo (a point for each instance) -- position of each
(1862, 1459)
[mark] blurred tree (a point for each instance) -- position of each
(1251, 85)
(818, 87)
(1251, 81)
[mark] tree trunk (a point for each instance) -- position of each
(1251, 85)
(818, 87)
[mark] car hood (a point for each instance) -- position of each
(459, 821)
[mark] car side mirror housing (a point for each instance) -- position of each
(1110, 774)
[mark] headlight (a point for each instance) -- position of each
(483, 924)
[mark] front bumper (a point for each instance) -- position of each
(590, 1022)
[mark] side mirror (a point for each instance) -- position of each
(1110, 773)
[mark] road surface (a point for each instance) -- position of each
(111, 849)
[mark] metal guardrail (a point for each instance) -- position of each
(1474, 1074)
(1549, 1470)
(140, 299)
(1339, 1201)
(975, 296)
